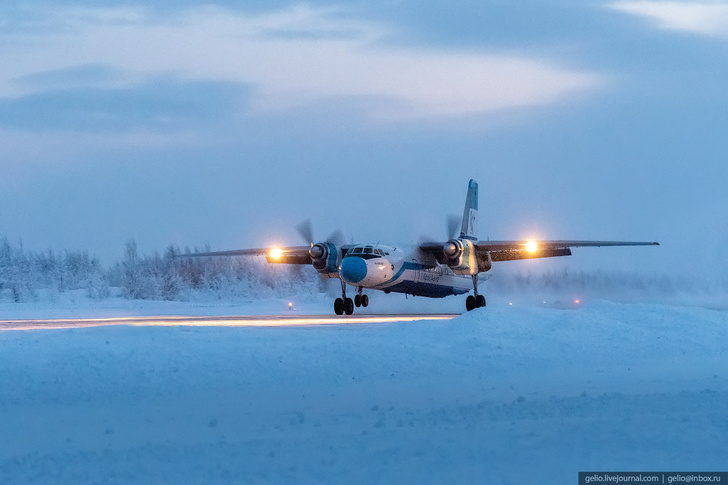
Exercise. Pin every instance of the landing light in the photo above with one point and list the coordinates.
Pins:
(276, 253)
(531, 246)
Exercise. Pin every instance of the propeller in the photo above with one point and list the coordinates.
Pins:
(337, 237)
(450, 249)
(453, 222)
(306, 231)
(324, 254)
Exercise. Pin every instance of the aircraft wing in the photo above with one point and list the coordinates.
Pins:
(529, 249)
(287, 255)
(514, 250)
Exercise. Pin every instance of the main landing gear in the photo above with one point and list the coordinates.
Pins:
(474, 301)
(343, 305)
(346, 305)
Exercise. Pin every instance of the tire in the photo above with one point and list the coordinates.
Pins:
(339, 306)
(357, 301)
(364, 301)
(470, 303)
(348, 306)
(480, 301)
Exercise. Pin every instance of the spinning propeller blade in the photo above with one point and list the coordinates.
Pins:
(453, 222)
(306, 231)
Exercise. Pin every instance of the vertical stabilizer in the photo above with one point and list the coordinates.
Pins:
(469, 229)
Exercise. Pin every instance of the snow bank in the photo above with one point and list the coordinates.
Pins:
(509, 394)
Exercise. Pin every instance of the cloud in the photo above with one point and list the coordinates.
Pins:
(703, 18)
(161, 104)
(292, 57)
(70, 77)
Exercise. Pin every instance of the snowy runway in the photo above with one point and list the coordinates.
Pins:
(504, 395)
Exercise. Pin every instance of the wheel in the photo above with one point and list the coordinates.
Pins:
(339, 306)
(364, 301)
(357, 301)
(470, 302)
(348, 306)
(479, 301)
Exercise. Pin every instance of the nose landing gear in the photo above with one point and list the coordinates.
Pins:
(361, 300)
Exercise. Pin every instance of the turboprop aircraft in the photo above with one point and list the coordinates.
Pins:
(431, 269)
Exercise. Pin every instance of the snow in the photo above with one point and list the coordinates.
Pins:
(521, 393)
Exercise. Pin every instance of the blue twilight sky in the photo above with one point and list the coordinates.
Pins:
(231, 122)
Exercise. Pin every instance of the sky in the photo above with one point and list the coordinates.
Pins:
(228, 123)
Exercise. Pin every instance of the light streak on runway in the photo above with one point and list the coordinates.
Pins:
(221, 321)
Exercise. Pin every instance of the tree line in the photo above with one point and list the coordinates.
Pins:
(24, 273)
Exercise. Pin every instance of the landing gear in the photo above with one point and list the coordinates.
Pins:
(348, 306)
(470, 303)
(474, 301)
(344, 305)
(339, 306)
(361, 300)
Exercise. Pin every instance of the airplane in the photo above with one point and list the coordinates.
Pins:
(430, 269)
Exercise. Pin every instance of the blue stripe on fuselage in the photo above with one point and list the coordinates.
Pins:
(405, 265)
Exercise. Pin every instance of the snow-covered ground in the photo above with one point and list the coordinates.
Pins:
(523, 393)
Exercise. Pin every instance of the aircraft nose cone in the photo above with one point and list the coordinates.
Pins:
(353, 269)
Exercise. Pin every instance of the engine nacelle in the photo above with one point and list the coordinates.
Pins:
(325, 257)
(461, 257)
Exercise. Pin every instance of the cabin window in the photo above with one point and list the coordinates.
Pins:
(368, 250)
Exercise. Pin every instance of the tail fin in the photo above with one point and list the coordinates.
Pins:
(469, 229)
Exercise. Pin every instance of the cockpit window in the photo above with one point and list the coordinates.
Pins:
(366, 252)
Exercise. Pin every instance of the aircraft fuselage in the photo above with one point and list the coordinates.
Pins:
(392, 269)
